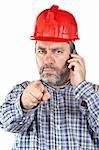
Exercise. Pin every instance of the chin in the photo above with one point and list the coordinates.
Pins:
(48, 77)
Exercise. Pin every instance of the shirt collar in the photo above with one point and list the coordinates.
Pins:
(62, 88)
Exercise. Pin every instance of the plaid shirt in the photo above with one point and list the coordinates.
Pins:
(69, 120)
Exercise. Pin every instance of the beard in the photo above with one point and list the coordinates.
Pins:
(56, 76)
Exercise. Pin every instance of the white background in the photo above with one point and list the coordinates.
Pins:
(17, 61)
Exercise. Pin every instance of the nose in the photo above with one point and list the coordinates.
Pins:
(48, 58)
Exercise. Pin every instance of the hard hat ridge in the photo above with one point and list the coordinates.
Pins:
(54, 8)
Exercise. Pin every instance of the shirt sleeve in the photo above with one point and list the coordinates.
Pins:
(88, 96)
(12, 117)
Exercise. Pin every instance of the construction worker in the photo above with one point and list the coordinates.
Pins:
(61, 110)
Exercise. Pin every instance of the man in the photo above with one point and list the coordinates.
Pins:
(61, 110)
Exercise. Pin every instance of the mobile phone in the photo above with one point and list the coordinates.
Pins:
(73, 51)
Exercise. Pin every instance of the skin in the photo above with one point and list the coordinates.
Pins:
(54, 67)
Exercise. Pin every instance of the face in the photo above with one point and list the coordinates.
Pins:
(51, 60)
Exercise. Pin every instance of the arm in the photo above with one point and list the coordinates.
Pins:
(12, 117)
(89, 93)
(85, 92)
(18, 111)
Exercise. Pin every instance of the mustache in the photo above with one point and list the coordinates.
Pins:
(53, 67)
(47, 66)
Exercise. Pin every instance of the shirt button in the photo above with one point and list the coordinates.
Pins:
(27, 117)
(57, 108)
(24, 118)
(20, 123)
(59, 147)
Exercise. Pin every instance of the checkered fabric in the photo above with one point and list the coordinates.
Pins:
(69, 120)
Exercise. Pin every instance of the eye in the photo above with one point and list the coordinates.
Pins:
(58, 52)
(41, 51)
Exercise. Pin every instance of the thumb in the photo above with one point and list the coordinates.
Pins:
(46, 95)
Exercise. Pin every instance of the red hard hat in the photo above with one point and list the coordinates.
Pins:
(56, 25)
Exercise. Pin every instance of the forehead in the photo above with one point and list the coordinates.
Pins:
(50, 45)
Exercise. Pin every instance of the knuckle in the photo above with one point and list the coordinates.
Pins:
(39, 96)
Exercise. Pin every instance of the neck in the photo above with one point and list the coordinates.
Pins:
(57, 86)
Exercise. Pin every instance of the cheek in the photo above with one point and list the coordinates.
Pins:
(60, 63)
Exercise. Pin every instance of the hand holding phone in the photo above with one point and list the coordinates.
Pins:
(76, 64)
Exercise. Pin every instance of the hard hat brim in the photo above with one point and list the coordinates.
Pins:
(52, 39)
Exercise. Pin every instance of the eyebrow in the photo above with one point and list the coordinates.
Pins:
(52, 49)
(39, 47)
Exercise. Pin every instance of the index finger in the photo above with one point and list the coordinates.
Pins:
(38, 84)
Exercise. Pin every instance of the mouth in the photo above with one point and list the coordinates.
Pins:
(48, 70)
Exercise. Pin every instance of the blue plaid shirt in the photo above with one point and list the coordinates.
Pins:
(69, 120)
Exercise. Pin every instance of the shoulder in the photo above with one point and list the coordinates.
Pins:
(19, 87)
(17, 90)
